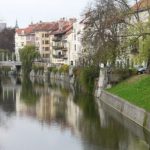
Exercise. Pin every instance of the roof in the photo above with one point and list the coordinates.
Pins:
(60, 27)
(141, 5)
(64, 26)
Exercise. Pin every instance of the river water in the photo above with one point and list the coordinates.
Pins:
(50, 115)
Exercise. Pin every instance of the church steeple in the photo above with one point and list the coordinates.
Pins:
(16, 26)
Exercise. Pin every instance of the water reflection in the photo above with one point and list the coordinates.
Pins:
(51, 115)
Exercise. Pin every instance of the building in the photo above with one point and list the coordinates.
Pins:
(140, 11)
(57, 42)
(66, 47)
(35, 34)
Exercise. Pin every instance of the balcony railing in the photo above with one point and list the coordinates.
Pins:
(60, 56)
(57, 39)
(64, 48)
(58, 47)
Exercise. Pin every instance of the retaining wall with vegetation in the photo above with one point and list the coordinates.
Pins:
(136, 114)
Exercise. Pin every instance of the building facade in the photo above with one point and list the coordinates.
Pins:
(57, 42)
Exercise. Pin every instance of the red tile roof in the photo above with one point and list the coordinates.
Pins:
(141, 5)
(60, 27)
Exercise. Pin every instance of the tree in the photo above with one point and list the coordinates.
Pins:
(7, 39)
(101, 39)
(27, 56)
(143, 44)
(139, 33)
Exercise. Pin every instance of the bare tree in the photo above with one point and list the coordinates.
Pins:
(101, 36)
(7, 39)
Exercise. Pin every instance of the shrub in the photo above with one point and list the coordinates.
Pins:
(35, 68)
(86, 77)
(38, 68)
(122, 73)
(64, 69)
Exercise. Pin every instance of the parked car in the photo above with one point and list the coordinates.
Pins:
(141, 69)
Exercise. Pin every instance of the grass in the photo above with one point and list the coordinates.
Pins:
(135, 90)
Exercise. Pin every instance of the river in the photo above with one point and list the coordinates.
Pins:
(50, 115)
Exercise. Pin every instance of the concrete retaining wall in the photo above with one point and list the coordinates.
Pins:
(136, 114)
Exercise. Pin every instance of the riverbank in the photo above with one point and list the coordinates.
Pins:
(135, 90)
(136, 114)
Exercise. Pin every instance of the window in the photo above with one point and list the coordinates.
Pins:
(47, 42)
(46, 55)
(75, 37)
(75, 47)
(72, 63)
(46, 35)
(22, 44)
(59, 53)
(46, 48)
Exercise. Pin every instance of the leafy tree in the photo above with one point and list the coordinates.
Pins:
(27, 56)
(139, 41)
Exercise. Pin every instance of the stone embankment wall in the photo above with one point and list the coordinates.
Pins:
(55, 76)
(132, 112)
(136, 114)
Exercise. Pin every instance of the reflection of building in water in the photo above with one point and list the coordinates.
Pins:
(55, 106)
(8, 96)
(52, 107)
(74, 114)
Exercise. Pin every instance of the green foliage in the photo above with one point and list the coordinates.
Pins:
(38, 68)
(27, 56)
(53, 69)
(140, 42)
(64, 69)
(5, 68)
(135, 90)
(35, 68)
(144, 51)
(86, 77)
(123, 73)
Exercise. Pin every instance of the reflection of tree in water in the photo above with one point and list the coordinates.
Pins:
(61, 86)
(98, 137)
(28, 94)
(60, 106)
(7, 100)
(60, 102)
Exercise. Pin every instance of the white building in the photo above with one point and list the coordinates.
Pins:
(57, 42)
(20, 42)
(66, 47)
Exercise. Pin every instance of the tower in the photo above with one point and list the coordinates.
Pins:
(16, 26)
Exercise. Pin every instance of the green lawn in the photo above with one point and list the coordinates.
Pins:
(135, 90)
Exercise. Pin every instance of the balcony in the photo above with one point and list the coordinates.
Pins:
(62, 56)
(64, 48)
(56, 39)
(58, 56)
(58, 47)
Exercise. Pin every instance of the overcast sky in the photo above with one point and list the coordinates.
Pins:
(26, 11)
